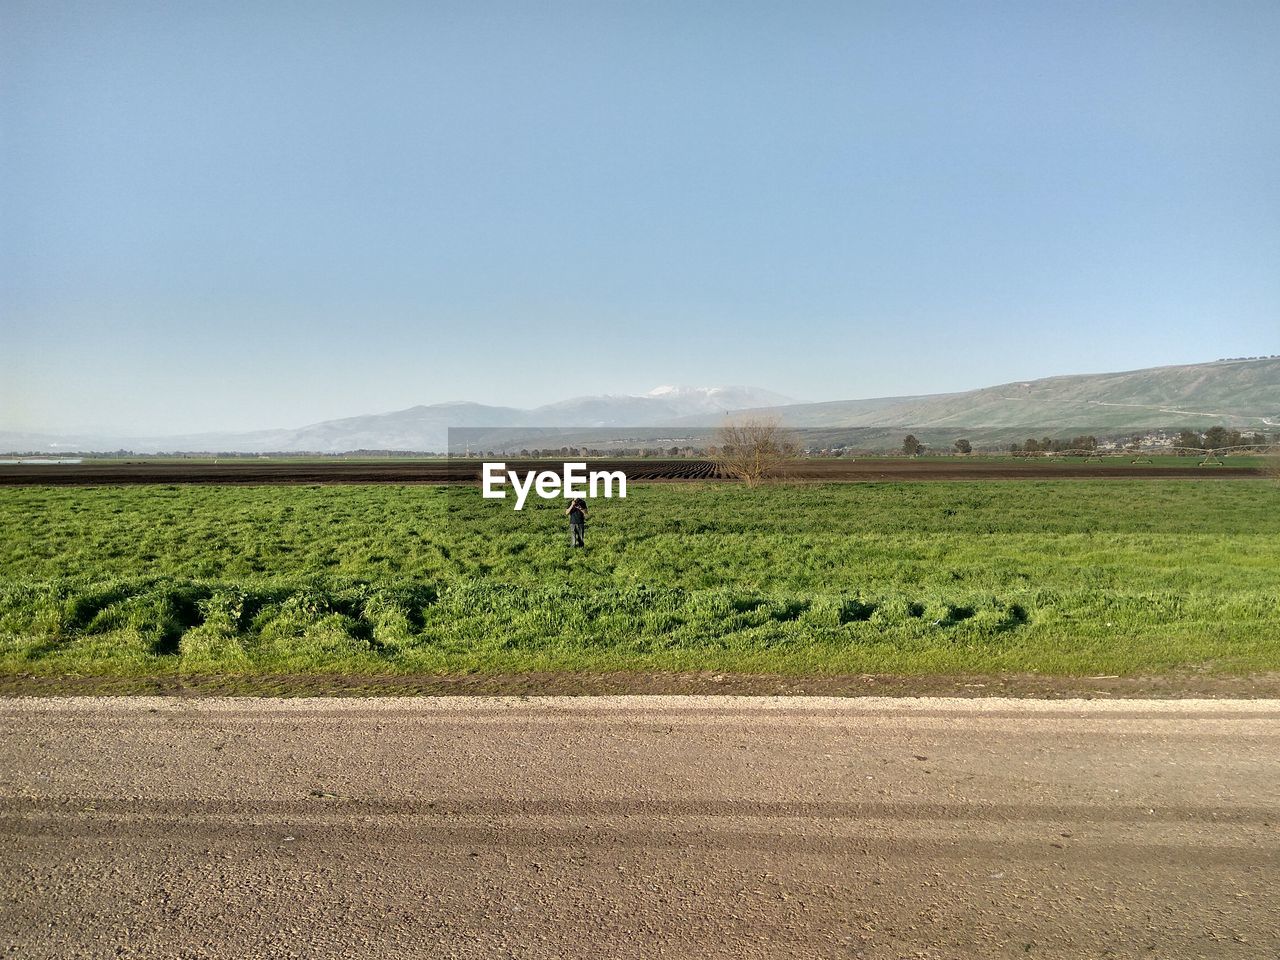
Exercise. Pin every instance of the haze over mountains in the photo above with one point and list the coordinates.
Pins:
(1242, 394)
(425, 428)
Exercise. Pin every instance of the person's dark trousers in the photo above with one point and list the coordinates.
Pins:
(577, 535)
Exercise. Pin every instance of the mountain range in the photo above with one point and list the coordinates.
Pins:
(1242, 394)
(425, 428)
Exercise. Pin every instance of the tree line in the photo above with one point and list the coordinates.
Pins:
(1217, 438)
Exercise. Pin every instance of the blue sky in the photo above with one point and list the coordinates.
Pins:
(235, 215)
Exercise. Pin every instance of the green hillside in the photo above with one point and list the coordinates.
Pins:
(1242, 394)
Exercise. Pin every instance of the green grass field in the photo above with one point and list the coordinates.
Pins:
(1064, 577)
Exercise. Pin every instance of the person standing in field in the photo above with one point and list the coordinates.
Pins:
(577, 522)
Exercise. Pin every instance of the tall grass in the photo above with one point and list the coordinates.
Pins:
(1059, 576)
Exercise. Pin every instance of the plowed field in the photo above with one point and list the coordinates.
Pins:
(468, 471)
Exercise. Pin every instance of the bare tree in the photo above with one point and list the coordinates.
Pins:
(753, 450)
(1271, 462)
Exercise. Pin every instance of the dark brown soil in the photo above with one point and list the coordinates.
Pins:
(468, 471)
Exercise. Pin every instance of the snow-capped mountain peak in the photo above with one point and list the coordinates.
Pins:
(703, 399)
(664, 390)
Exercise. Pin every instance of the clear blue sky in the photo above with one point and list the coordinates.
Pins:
(236, 215)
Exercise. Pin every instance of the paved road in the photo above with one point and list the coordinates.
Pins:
(639, 827)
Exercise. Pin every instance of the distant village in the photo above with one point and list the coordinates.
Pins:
(1217, 440)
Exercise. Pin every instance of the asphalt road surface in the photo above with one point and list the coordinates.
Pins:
(639, 827)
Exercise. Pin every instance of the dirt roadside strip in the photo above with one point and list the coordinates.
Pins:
(655, 826)
(1179, 685)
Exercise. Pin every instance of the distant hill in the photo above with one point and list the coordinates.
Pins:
(1241, 394)
(1244, 394)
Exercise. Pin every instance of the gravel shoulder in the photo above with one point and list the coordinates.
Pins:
(625, 826)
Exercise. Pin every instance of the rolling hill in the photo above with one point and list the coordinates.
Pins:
(1240, 394)
(1244, 394)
